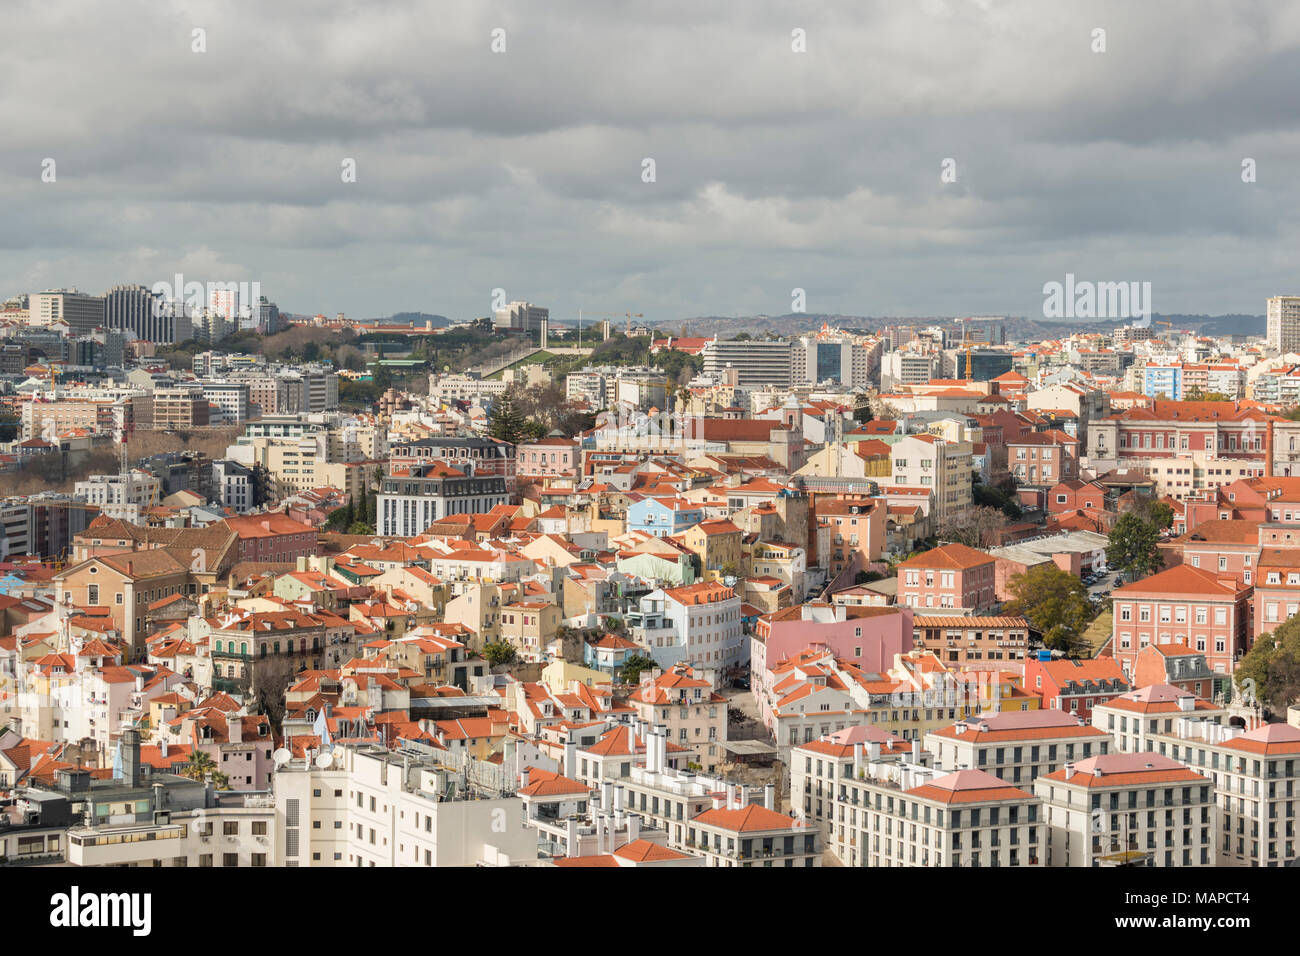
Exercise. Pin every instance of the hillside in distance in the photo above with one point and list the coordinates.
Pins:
(1018, 328)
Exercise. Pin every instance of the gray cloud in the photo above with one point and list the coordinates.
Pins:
(774, 169)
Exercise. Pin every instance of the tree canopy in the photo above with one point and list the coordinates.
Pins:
(499, 652)
(506, 420)
(1134, 546)
(1273, 664)
(633, 666)
(975, 527)
(1055, 604)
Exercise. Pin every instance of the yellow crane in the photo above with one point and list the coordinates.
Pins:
(966, 345)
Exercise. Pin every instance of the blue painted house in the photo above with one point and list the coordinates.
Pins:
(663, 516)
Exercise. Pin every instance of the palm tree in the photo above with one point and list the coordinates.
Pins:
(198, 766)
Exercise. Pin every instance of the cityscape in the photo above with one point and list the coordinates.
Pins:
(915, 596)
(512, 438)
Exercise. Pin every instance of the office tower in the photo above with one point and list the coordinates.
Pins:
(754, 362)
(82, 312)
(520, 317)
(133, 308)
(1283, 323)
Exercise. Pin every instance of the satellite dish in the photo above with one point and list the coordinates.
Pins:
(325, 760)
(281, 757)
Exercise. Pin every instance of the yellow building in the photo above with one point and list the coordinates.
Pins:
(718, 545)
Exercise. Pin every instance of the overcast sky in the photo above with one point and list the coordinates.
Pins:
(774, 169)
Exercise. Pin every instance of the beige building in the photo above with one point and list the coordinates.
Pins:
(695, 716)
(530, 626)
(941, 467)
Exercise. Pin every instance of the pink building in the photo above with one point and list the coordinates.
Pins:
(951, 576)
(1075, 495)
(1206, 611)
(868, 637)
(552, 456)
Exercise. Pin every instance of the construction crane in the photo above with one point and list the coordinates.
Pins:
(966, 344)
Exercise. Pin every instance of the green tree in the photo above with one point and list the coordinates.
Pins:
(1273, 665)
(630, 673)
(1161, 515)
(1055, 604)
(200, 765)
(506, 421)
(340, 519)
(1134, 546)
(499, 652)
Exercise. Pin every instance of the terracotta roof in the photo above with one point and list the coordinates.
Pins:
(746, 819)
(949, 557)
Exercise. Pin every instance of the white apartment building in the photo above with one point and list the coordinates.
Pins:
(1140, 809)
(906, 814)
(905, 367)
(232, 483)
(521, 317)
(1256, 779)
(144, 819)
(120, 496)
(1017, 746)
(728, 824)
(230, 397)
(1134, 718)
(370, 807)
(698, 624)
(817, 769)
(445, 389)
(1282, 323)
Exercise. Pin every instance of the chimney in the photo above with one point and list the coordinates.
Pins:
(571, 759)
(1069, 771)
(857, 760)
(523, 779)
(162, 747)
(873, 750)
(235, 729)
(571, 835)
(158, 790)
(916, 751)
(633, 827)
(769, 796)
(717, 802)
(132, 772)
